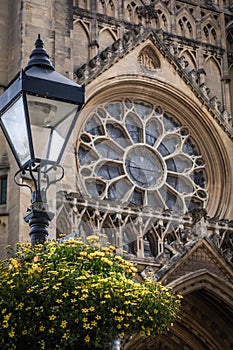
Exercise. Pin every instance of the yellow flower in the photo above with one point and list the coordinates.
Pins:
(84, 310)
(56, 286)
(92, 308)
(42, 328)
(7, 317)
(52, 317)
(92, 238)
(83, 253)
(34, 269)
(14, 263)
(87, 326)
(59, 301)
(24, 331)
(12, 333)
(51, 330)
(63, 324)
(87, 339)
(66, 294)
(65, 336)
(113, 310)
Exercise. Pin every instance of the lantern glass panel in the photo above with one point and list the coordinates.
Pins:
(14, 123)
(50, 122)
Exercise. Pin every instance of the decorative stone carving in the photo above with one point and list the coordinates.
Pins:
(169, 236)
(215, 103)
(181, 60)
(148, 59)
(227, 117)
(148, 273)
(148, 12)
(205, 90)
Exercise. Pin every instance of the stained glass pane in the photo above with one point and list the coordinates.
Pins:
(115, 110)
(108, 171)
(143, 110)
(109, 150)
(134, 128)
(153, 130)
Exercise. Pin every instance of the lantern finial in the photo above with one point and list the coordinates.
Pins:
(39, 56)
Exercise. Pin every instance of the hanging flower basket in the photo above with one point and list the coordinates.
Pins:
(73, 295)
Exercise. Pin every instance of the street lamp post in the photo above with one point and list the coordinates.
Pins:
(38, 112)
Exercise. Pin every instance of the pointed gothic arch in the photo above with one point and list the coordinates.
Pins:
(210, 30)
(81, 37)
(231, 86)
(203, 308)
(163, 17)
(213, 77)
(207, 303)
(229, 37)
(106, 38)
(185, 24)
(108, 7)
(148, 58)
(63, 222)
(131, 11)
(190, 58)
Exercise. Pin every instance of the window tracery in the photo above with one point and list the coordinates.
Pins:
(133, 152)
(131, 14)
(210, 34)
(162, 19)
(230, 40)
(185, 27)
(107, 7)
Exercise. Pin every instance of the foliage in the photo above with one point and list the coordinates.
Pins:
(74, 293)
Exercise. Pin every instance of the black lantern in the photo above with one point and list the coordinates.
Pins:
(38, 112)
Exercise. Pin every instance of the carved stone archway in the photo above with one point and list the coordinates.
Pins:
(206, 318)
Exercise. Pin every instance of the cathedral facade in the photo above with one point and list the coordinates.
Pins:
(150, 162)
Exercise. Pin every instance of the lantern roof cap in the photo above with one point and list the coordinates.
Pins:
(39, 56)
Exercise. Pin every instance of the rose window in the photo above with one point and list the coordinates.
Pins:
(135, 153)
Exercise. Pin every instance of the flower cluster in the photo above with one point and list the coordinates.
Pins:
(71, 293)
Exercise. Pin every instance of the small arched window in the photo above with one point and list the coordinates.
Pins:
(210, 34)
(185, 27)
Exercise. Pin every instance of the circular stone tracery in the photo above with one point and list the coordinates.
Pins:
(136, 153)
(144, 167)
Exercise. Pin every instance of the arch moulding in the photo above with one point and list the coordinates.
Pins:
(191, 113)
